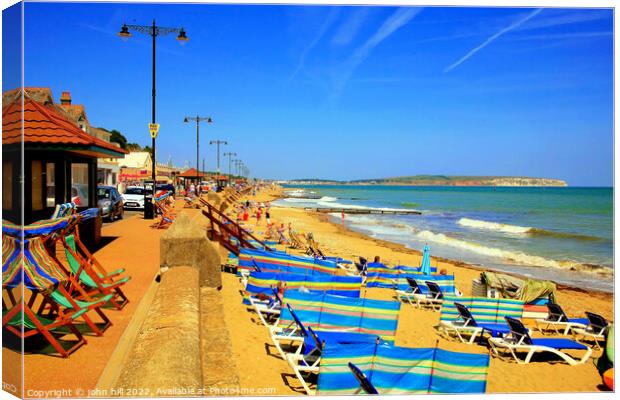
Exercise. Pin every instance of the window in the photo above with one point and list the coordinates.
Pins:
(50, 177)
(37, 185)
(79, 184)
(103, 193)
(7, 185)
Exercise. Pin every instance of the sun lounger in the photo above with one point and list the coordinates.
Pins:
(519, 340)
(595, 330)
(268, 310)
(394, 370)
(467, 325)
(432, 298)
(558, 320)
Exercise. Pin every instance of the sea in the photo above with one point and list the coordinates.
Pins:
(563, 234)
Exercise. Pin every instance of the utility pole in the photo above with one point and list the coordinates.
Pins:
(198, 119)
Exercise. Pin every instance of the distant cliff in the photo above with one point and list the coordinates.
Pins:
(442, 180)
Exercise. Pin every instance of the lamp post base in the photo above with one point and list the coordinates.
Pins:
(148, 209)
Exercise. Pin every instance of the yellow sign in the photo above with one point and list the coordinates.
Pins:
(153, 128)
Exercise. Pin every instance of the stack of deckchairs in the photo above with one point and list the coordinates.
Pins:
(390, 369)
(164, 209)
(58, 296)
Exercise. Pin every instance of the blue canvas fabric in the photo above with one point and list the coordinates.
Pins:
(262, 282)
(325, 312)
(401, 370)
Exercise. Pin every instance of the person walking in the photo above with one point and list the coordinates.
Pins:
(267, 216)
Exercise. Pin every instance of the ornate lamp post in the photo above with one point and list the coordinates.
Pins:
(154, 31)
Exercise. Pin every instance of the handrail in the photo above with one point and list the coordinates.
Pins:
(231, 228)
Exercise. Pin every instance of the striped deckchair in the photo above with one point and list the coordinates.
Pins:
(21, 266)
(484, 310)
(401, 370)
(326, 312)
(262, 282)
(275, 261)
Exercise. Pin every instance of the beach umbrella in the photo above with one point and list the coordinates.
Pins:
(425, 268)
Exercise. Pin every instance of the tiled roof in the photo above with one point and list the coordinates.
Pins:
(45, 125)
(75, 111)
(191, 173)
(40, 94)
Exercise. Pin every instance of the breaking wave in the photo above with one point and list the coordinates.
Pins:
(523, 230)
(512, 256)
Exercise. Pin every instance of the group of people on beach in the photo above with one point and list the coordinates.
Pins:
(243, 212)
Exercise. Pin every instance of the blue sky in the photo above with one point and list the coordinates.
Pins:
(346, 92)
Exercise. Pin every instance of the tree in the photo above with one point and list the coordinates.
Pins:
(147, 148)
(134, 147)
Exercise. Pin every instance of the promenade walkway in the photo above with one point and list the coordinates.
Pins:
(132, 244)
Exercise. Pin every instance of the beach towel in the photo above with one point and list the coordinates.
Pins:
(262, 282)
(484, 310)
(325, 312)
(279, 262)
(401, 370)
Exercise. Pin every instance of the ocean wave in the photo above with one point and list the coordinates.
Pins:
(328, 198)
(512, 256)
(524, 230)
(493, 226)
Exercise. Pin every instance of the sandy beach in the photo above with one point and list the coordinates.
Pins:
(252, 346)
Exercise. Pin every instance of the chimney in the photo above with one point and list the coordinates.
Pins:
(65, 99)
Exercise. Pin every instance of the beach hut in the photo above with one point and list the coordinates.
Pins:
(59, 158)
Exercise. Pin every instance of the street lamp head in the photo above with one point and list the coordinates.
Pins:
(182, 38)
(209, 120)
(185, 119)
(124, 33)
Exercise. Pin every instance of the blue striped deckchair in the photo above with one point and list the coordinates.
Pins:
(262, 282)
(326, 312)
(274, 261)
(401, 370)
(485, 311)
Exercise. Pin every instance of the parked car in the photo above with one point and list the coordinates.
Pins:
(134, 197)
(110, 201)
(79, 194)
